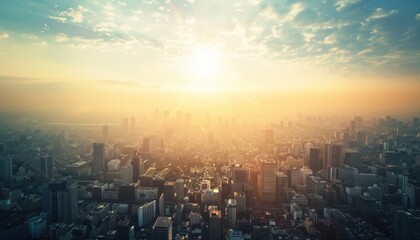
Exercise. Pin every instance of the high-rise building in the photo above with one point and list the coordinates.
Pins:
(333, 155)
(240, 202)
(267, 180)
(315, 159)
(333, 158)
(127, 173)
(5, 168)
(105, 133)
(179, 188)
(47, 167)
(162, 229)
(136, 163)
(231, 213)
(60, 200)
(98, 162)
(282, 187)
(353, 158)
(169, 191)
(146, 213)
(215, 224)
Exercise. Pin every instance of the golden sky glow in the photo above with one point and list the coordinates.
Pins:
(274, 57)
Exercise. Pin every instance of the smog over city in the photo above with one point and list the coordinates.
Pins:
(210, 119)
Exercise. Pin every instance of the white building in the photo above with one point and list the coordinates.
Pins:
(146, 213)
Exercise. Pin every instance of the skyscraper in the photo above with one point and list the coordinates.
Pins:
(333, 155)
(231, 213)
(169, 191)
(60, 200)
(215, 224)
(136, 162)
(146, 213)
(98, 162)
(282, 187)
(127, 173)
(315, 161)
(47, 167)
(267, 180)
(162, 229)
(179, 188)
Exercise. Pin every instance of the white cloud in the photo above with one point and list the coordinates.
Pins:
(381, 13)
(61, 37)
(75, 15)
(342, 4)
(330, 39)
(4, 36)
(418, 16)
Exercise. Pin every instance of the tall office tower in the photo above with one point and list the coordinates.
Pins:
(105, 133)
(162, 229)
(137, 167)
(5, 168)
(231, 213)
(215, 224)
(353, 158)
(60, 199)
(352, 129)
(240, 174)
(416, 122)
(240, 202)
(333, 159)
(147, 144)
(127, 173)
(132, 124)
(169, 191)
(359, 122)
(267, 180)
(179, 187)
(315, 160)
(125, 124)
(282, 187)
(47, 167)
(269, 136)
(346, 139)
(240, 177)
(98, 162)
(146, 213)
(333, 155)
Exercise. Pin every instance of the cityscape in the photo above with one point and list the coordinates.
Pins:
(212, 120)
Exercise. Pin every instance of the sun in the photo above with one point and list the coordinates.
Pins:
(205, 65)
(206, 62)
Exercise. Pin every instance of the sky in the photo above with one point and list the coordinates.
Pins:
(85, 56)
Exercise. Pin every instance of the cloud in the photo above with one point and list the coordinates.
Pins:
(4, 35)
(75, 15)
(61, 37)
(381, 13)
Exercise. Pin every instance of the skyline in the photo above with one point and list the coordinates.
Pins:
(88, 57)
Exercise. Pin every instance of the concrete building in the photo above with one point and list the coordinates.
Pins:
(146, 213)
